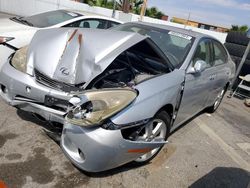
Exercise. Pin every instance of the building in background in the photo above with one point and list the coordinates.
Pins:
(199, 25)
(165, 17)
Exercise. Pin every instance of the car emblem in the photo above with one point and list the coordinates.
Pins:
(64, 71)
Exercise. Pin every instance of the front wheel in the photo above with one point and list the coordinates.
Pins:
(158, 129)
(217, 102)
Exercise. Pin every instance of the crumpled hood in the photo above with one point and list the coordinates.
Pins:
(76, 56)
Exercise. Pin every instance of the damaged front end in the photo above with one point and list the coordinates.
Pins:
(82, 78)
(60, 63)
(90, 140)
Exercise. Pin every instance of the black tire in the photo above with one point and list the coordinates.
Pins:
(236, 50)
(165, 117)
(246, 66)
(214, 107)
(237, 38)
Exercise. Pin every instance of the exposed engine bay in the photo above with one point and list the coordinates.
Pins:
(139, 63)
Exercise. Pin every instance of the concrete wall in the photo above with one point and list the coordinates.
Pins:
(29, 7)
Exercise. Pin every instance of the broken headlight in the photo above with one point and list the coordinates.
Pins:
(96, 106)
(19, 60)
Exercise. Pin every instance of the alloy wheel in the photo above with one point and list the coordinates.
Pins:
(155, 131)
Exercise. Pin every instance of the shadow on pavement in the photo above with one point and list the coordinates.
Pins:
(52, 130)
(224, 177)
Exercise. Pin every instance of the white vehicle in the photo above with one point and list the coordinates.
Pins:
(18, 31)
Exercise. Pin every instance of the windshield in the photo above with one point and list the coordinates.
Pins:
(175, 45)
(48, 18)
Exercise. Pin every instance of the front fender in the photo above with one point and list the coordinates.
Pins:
(153, 95)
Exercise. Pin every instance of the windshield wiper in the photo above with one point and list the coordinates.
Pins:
(26, 22)
(20, 20)
(14, 19)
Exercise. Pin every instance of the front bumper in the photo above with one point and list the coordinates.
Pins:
(22, 91)
(97, 149)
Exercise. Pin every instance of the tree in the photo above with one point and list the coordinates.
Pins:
(242, 28)
(99, 3)
(136, 6)
(154, 13)
(133, 6)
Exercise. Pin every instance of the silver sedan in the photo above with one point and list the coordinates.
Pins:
(118, 93)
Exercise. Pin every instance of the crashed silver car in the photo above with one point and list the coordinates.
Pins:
(118, 93)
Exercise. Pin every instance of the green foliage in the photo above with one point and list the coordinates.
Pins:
(242, 28)
(99, 3)
(135, 6)
(154, 13)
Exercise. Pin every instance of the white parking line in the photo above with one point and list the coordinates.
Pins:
(245, 147)
(224, 146)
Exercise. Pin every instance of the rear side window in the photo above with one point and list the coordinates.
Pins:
(220, 54)
(89, 23)
(113, 24)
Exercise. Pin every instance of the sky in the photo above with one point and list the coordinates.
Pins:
(215, 12)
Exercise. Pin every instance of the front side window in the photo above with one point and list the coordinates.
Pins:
(175, 45)
(203, 53)
(220, 54)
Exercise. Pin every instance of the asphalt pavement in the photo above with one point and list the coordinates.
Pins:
(209, 151)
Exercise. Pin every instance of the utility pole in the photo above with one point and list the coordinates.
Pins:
(143, 9)
(114, 7)
(187, 20)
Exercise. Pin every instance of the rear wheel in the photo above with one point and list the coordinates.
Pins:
(217, 102)
(157, 130)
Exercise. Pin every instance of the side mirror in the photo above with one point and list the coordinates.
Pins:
(198, 67)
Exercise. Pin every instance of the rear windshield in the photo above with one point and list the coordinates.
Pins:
(175, 45)
(50, 18)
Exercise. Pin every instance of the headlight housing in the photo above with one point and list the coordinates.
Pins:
(19, 60)
(96, 106)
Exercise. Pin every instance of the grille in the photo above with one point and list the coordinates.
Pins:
(45, 80)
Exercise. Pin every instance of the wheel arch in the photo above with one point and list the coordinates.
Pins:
(169, 108)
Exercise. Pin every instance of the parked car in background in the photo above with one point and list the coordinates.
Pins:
(118, 93)
(18, 31)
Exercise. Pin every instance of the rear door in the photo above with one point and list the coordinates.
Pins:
(197, 86)
(221, 70)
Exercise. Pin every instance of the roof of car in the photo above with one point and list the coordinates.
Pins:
(172, 28)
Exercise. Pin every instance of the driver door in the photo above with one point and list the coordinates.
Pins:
(197, 85)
